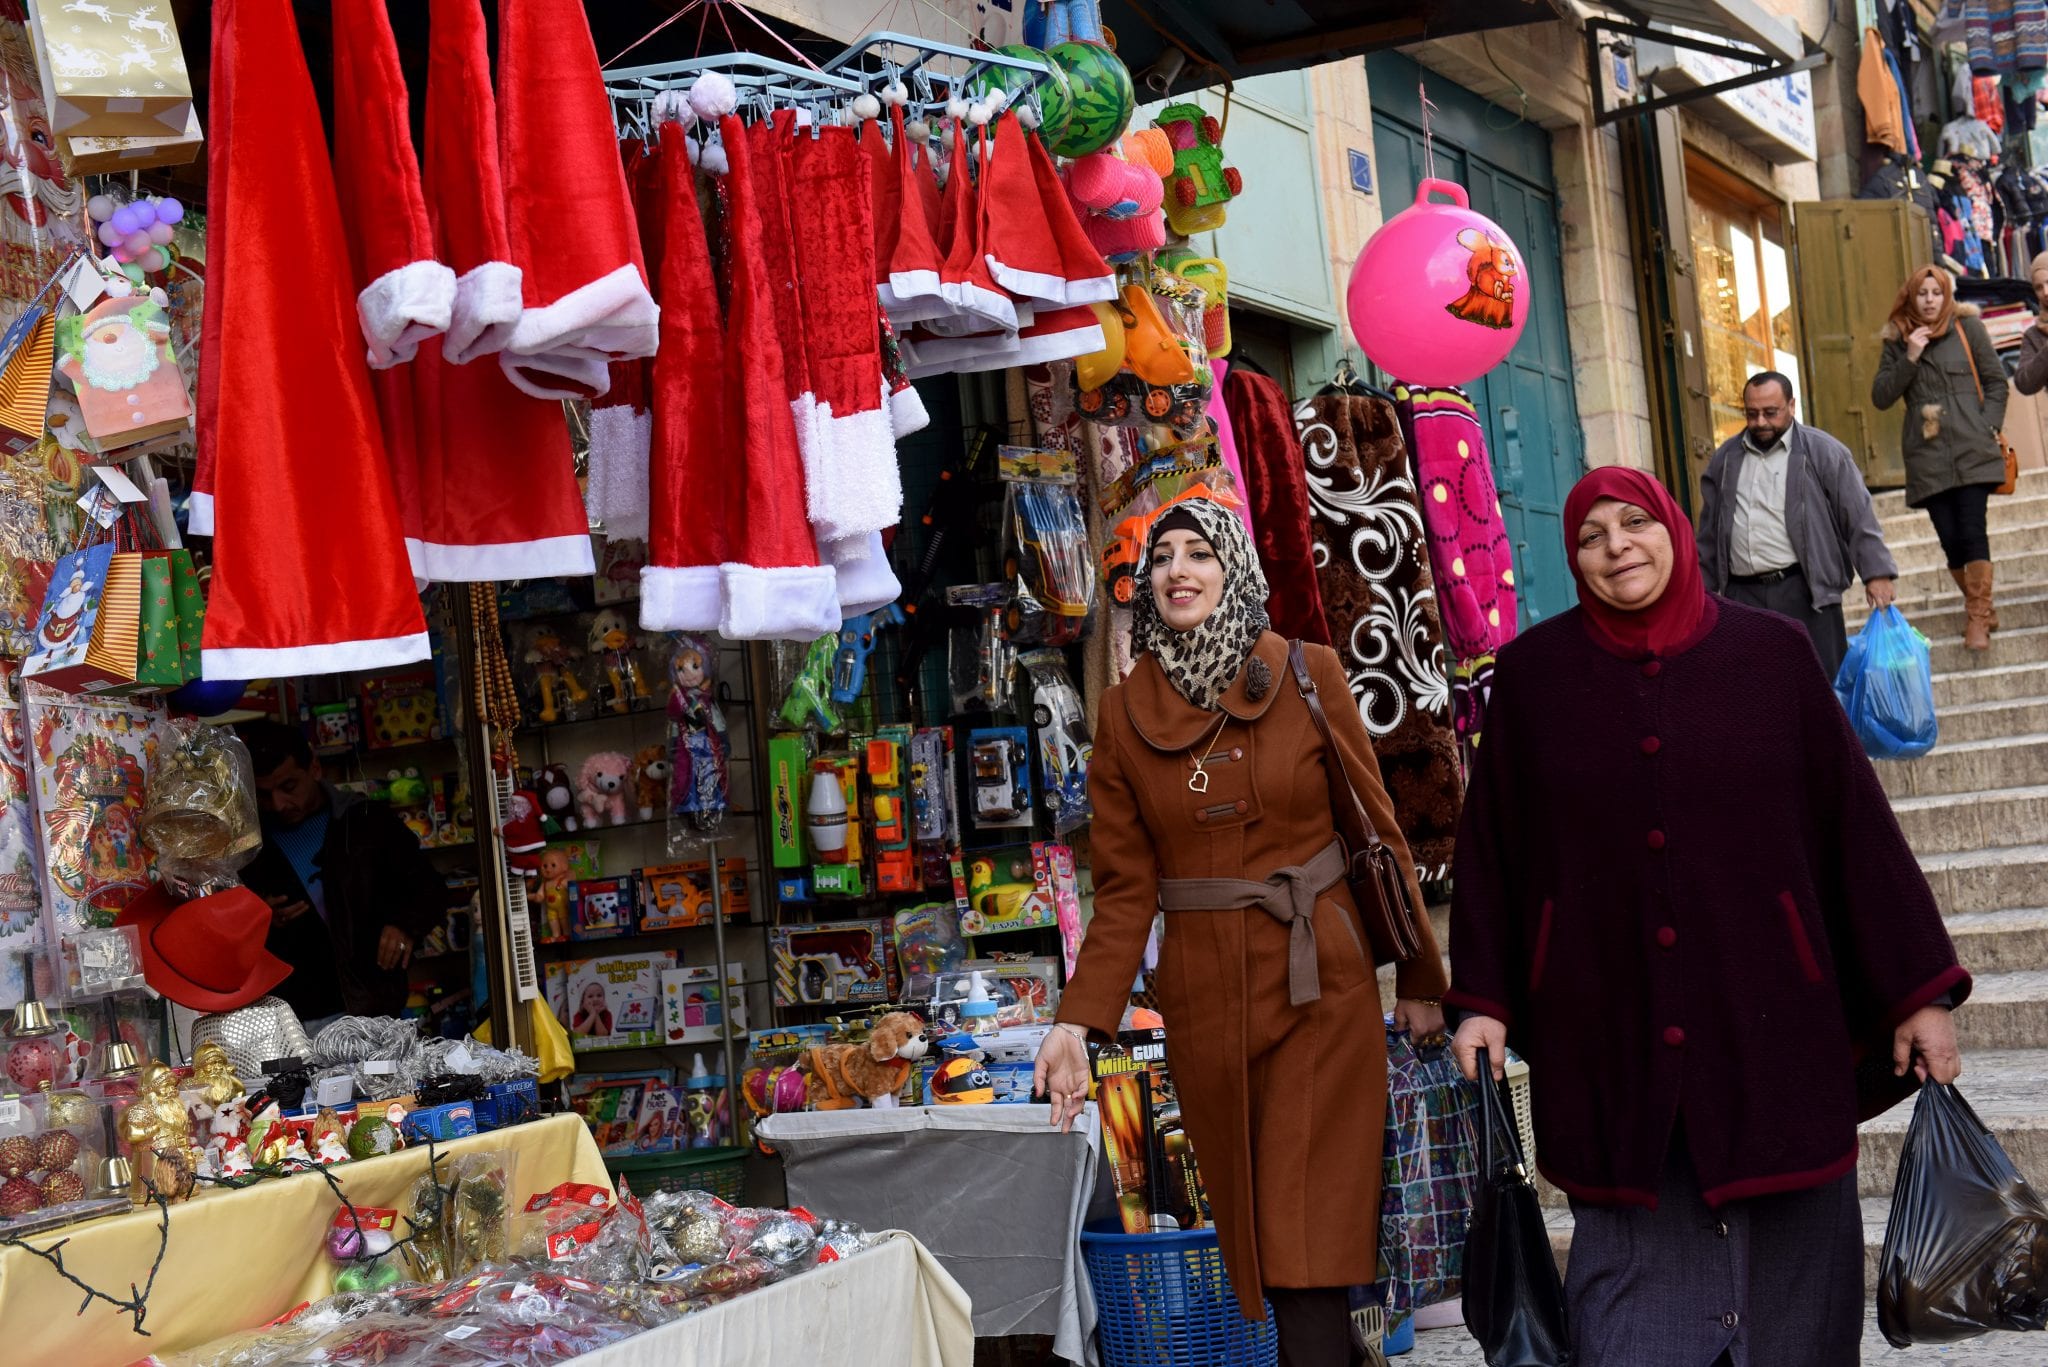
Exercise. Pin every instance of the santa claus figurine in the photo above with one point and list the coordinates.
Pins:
(524, 839)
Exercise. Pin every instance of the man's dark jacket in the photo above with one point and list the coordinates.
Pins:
(375, 875)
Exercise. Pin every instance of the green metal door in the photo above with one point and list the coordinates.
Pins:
(1526, 402)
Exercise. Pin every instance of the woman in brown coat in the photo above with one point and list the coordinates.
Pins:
(1208, 767)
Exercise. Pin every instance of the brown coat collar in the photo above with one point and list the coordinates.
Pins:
(1168, 722)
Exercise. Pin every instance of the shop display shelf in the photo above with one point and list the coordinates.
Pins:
(722, 1172)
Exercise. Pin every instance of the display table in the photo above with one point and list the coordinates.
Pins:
(890, 1304)
(237, 1259)
(994, 1192)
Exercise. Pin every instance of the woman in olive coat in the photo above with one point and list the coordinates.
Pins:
(1940, 360)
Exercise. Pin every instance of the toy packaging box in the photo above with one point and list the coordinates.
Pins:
(1019, 889)
(678, 896)
(693, 1003)
(833, 962)
(401, 709)
(89, 758)
(1026, 991)
(603, 907)
(1174, 1183)
(612, 1108)
(563, 863)
(610, 1003)
(928, 943)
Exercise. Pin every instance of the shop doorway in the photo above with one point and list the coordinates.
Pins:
(1527, 403)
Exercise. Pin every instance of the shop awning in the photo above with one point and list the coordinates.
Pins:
(1743, 20)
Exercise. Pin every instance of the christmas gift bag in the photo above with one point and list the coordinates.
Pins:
(105, 156)
(190, 603)
(159, 662)
(117, 357)
(25, 378)
(112, 68)
(19, 896)
(89, 758)
(71, 609)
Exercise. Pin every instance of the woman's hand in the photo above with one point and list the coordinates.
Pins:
(1926, 1040)
(1061, 1072)
(1422, 1020)
(1481, 1032)
(1917, 340)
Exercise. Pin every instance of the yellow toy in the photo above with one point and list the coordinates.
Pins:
(551, 657)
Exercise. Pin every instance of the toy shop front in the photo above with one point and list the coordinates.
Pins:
(571, 844)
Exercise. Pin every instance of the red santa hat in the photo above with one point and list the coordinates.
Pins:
(1034, 242)
(309, 566)
(622, 423)
(1080, 263)
(886, 189)
(979, 303)
(497, 476)
(462, 130)
(403, 295)
(911, 290)
(571, 220)
(771, 148)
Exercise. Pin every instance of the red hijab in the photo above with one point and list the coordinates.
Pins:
(1683, 613)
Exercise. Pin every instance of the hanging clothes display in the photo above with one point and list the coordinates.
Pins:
(1884, 120)
(1372, 566)
(310, 570)
(1263, 423)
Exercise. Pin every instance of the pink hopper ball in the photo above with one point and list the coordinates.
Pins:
(1438, 296)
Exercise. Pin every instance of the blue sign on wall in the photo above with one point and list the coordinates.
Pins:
(1361, 170)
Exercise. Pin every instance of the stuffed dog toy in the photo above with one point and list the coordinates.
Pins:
(840, 1073)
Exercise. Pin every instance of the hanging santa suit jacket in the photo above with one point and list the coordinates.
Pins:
(1287, 1122)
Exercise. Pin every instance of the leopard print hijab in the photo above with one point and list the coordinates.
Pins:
(1203, 662)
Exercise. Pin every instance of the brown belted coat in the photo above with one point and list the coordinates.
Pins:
(1284, 1105)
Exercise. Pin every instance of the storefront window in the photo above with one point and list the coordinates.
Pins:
(1745, 281)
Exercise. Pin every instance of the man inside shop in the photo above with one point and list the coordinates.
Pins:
(1786, 523)
(350, 892)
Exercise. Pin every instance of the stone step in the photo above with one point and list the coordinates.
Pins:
(1941, 616)
(1922, 551)
(2027, 568)
(1992, 720)
(2008, 1089)
(2014, 940)
(2033, 484)
(1969, 767)
(2010, 645)
(1953, 822)
(2005, 1011)
(1979, 880)
(1987, 683)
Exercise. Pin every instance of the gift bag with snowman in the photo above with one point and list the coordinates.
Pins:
(117, 359)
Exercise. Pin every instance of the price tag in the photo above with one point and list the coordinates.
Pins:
(10, 1111)
(85, 285)
(466, 1331)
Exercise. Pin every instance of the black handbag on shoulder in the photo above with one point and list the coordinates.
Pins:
(1514, 1303)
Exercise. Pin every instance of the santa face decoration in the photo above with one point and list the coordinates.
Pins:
(117, 354)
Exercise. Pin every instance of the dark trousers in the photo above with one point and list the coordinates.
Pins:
(1793, 597)
(1313, 1326)
(1958, 516)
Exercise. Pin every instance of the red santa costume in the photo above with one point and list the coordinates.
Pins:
(571, 220)
(309, 571)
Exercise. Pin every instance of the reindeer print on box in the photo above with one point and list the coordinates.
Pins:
(117, 69)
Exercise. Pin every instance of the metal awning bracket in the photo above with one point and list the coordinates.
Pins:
(1766, 68)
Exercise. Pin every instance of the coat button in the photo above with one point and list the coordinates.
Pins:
(1237, 752)
(1655, 840)
(1721, 1228)
(1652, 668)
(1202, 818)
(1730, 1320)
(1243, 806)
(1674, 1036)
(1666, 936)
(1651, 745)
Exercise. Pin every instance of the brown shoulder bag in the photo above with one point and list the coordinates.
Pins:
(1370, 869)
(2005, 448)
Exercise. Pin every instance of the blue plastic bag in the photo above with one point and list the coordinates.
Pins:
(1886, 685)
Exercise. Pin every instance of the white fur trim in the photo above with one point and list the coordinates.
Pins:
(796, 603)
(1029, 284)
(976, 325)
(863, 487)
(907, 413)
(582, 374)
(402, 308)
(952, 355)
(866, 581)
(616, 495)
(333, 657)
(1092, 289)
(994, 306)
(1061, 345)
(416, 558)
(613, 314)
(199, 514)
(679, 597)
(487, 308)
(811, 446)
(539, 559)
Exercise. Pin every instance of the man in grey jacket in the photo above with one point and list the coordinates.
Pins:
(1786, 522)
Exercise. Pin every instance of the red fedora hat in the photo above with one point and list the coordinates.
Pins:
(207, 953)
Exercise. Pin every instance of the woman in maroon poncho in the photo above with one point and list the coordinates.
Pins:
(1682, 896)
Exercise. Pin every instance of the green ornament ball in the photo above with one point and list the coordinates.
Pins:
(371, 1136)
(1103, 98)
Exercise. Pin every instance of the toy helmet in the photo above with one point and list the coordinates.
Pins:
(962, 1082)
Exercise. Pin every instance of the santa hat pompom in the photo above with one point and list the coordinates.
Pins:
(713, 95)
(977, 113)
(713, 160)
(867, 107)
(694, 150)
(917, 130)
(674, 105)
(1027, 115)
(956, 108)
(896, 93)
(997, 99)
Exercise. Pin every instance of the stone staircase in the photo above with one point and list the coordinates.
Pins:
(1976, 813)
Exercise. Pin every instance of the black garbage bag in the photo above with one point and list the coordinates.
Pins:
(1514, 1304)
(1966, 1248)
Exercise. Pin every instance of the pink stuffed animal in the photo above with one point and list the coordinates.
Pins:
(601, 788)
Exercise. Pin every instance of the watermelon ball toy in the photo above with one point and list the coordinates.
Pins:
(33, 1062)
(1103, 98)
(1055, 93)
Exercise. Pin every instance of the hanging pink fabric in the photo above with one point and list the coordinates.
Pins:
(1468, 542)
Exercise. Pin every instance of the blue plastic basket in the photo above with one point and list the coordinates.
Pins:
(1163, 1300)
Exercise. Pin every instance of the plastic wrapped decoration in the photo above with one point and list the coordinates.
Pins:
(1065, 748)
(700, 753)
(1164, 378)
(1048, 559)
(199, 814)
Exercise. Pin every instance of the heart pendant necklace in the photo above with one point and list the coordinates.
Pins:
(1198, 781)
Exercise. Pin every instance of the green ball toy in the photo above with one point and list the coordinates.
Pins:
(1055, 93)
(1103, 98)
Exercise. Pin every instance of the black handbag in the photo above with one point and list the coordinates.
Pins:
(1514, 1304)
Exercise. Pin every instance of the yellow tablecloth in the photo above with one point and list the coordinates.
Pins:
(237, 1259)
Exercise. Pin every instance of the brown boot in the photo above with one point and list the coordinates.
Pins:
(1977, 597)
(1957, 575)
